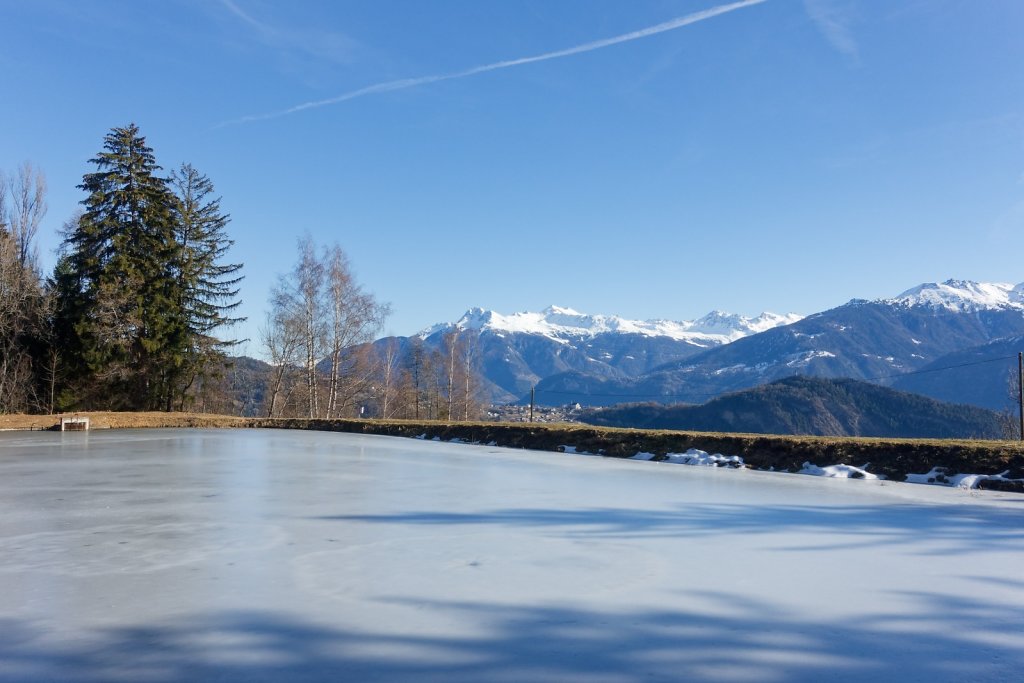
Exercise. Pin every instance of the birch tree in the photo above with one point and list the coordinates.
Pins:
(470, 377)
(460, 376)
(24, 211)
(282, 340)
(355, 317)
(22, 298)
(297, 308)
(321, 309)
(390, 379)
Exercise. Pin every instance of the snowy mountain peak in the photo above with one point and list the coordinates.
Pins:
(736, 326)
(962, 295)
(1017, 294)
(554, 310)
(475, 319)
(561, 324)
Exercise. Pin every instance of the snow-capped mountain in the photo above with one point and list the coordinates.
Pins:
(518, 350)
(875, 340)
(564, 325)
(962, 296)
(604, 359)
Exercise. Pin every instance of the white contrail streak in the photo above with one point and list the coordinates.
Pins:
(401, 84)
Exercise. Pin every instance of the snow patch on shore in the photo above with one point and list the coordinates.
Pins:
(940, 476)
(837, 471)
(694, 457)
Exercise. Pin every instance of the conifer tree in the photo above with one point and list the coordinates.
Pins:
(206, 286)
(120, 256)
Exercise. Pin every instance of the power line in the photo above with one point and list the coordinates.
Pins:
(948, 367)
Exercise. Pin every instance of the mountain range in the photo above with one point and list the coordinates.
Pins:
(909, 341)
(518, 351)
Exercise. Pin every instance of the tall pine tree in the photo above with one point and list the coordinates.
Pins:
(119, 261)
(207, 287)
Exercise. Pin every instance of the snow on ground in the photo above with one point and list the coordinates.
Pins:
(837, 471)
(695, 457)
(265, 555)
(938, 475)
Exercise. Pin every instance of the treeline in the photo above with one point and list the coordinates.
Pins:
(318, 336)
(128, 318)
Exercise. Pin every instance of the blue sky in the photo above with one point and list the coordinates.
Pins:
(788, 155)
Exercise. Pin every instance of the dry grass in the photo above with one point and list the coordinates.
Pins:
(109, 420)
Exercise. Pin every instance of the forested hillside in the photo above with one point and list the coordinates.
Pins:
(806, 405)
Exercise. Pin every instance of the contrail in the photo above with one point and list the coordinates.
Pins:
(401, 84)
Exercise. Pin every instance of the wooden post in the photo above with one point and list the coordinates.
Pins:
(532, 390)
(1020, 391)
(74, 424)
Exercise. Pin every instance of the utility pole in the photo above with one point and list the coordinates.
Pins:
(534, 389)
(1020, 391)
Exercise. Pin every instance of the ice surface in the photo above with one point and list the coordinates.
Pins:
(300, 556)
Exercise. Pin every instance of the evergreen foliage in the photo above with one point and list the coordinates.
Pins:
(140, 284)
(207, 288)
(811, 405)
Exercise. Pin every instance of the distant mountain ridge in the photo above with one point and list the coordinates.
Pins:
(962, 296)
(870, 340)
(517, 351)
(808, 405)
(955, 341)
(561, 324)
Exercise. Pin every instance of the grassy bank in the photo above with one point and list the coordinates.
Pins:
(894, 458)
(109, 420)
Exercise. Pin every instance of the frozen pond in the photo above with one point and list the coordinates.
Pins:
(177, 555)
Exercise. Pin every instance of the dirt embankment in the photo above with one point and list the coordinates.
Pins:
(108, 420)
(893, 458)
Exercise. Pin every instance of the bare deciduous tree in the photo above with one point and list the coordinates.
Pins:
(471, 404)
(355, 317)
(319, 312)
(22, 299)
(461, 378)
(24, 211)
(297, 308)
(390, 379)
(451, 344)
(281, 338)
(16, 297)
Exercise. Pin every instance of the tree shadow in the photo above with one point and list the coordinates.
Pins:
(941, 638)
(919, 528)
